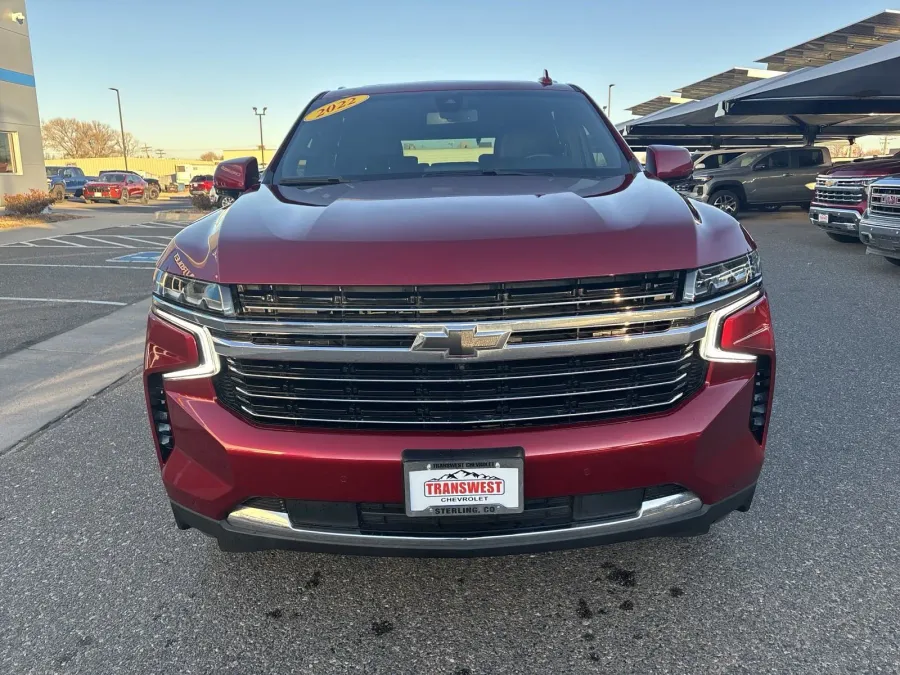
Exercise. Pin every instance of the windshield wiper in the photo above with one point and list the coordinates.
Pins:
(300, 181)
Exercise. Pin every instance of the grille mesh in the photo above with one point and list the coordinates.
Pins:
(885, 201)
(460, 395)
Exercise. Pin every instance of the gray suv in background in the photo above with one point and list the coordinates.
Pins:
(767, 179)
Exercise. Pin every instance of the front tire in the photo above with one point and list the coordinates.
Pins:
(728, 201)
(893, 261)
(58, 193)
(145, 197)
(123, 200)
(225, 201)
(843, 238)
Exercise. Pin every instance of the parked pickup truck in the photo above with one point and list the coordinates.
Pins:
(384, 350)
(66, 181)
(767, 179)
(841, 196)
(879, 228)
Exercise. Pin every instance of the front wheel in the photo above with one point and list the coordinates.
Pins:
(225, 201)
(726, 200)
(145, 197)
(58, 193)
(123, 199)
(843, 238)
(893, 261)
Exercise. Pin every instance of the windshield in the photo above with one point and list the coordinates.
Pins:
(414, 134)
(112, 178)
(53, 170)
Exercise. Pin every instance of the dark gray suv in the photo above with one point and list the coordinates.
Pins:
(767, 179)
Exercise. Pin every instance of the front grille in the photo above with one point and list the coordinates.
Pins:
(475, 395)
(469, 303)
(839, 195)
(885, 201)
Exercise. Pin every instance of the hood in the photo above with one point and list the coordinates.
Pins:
(101, 184)
(872, 167)
(721, 172)
(453, 235)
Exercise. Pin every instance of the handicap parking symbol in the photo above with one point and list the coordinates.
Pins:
(145, 257)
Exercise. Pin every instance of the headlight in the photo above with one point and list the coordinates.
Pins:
(703, 179)
(203, 295)
(720, 278)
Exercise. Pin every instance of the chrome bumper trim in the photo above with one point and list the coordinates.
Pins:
(261, 522)
(670, 338)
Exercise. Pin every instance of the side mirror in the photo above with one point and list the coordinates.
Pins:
(239, 174)
(668, 163)
(760, 167)
(701, 165)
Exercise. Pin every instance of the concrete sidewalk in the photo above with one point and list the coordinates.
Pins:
(42, 383)
(76, 226)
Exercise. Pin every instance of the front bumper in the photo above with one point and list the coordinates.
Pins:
(253, 529)
(880, 238)
(839, 220)
(220, 461)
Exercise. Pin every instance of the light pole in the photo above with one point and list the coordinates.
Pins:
(609, 99)
(262, 147)
(121, 126)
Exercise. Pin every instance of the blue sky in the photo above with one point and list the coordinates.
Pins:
(190, 77)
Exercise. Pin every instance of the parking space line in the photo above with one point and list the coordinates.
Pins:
(90, 267)
(63, 241)
(143, 241)
(102, 241)
(67, 300)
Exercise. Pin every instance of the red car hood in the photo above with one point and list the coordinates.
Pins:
(400, 236)
(874, 167)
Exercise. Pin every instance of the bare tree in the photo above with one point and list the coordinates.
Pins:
(211, 156)
(75, 138)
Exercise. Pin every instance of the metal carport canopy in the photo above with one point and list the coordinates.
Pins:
(706, 118)
(857, 85)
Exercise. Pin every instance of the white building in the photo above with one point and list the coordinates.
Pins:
(21, 152)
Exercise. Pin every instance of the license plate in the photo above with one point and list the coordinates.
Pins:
(98, 194)
(823, 217)
(452, 483)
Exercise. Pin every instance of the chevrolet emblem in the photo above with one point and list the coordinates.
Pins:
(460, 342)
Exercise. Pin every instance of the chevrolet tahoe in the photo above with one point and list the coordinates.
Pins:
(458, 319)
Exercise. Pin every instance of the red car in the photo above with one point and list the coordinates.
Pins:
(117, 187)
(201, 185)
(458, 319)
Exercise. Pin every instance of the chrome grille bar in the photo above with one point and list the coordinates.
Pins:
(497, 420)
(476, 399)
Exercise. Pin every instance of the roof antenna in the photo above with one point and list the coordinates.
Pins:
(545, 80)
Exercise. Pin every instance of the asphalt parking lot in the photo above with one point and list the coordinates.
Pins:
(96, 578)
(83, 275)
(79, 206)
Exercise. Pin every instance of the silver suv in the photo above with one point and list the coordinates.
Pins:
(766, 179)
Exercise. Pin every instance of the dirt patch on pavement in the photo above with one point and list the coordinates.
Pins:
(9, 222)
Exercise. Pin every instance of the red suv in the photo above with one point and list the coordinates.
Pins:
(119, 187)
(201, 185)
(458, 319)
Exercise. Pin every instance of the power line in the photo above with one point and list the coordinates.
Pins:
(146, 149)
(160, 153)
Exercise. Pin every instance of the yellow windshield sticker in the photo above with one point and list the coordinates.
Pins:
(335, 107)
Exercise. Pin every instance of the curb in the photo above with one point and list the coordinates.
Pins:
(175, 217)
(41, 383)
